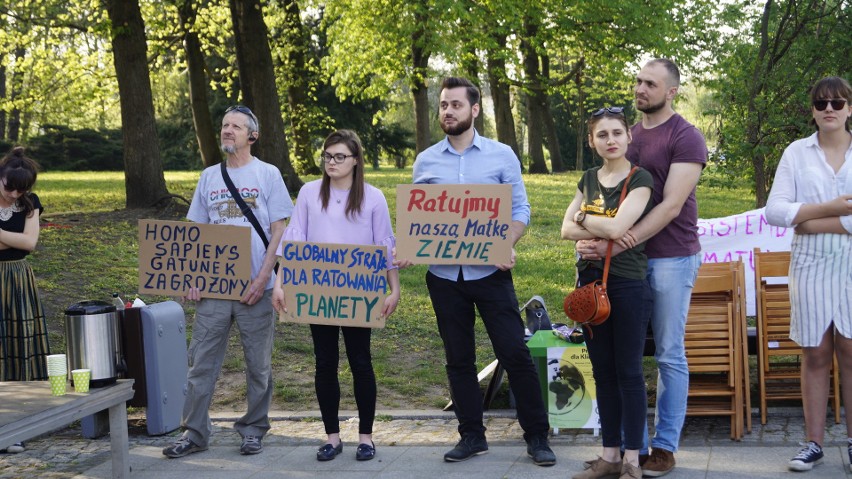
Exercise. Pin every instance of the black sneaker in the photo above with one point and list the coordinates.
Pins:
(809, 455)
(849, 452)
(469, 446)
(183, 447)
(251, 445)
(540, 452)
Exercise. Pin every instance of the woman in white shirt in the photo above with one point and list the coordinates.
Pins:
(813, 192)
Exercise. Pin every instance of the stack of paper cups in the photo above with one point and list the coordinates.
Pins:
(57, 372)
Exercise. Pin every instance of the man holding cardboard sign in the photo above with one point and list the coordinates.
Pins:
(465, 157)
(260, 198)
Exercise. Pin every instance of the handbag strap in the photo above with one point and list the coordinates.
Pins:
(247, 212)
(609, 245)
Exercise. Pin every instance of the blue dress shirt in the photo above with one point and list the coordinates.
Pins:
(485, 161)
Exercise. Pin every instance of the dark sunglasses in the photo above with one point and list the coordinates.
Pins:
(615, 110)
(836, 104)
(11, 189)
(239, 109)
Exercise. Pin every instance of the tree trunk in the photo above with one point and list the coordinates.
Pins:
(419, 91)
(503, 119)
(144, 181)
(535, 118)
(2, 98)
(470, 65)
(17, 88)
(581, 119)
(547, 119)
(3, 24)
(257, 84)
(205, 132)
(298, 85)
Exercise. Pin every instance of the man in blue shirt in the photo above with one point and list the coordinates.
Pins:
(464, 157)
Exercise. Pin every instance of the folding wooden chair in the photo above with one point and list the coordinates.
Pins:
(779, 358)
(713, 351)
(741, 324)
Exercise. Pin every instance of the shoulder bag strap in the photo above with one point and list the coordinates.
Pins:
(609, 246)
(247, 212)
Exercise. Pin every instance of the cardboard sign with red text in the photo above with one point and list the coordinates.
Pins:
(334, 284)
(454, 224)
(175, 256)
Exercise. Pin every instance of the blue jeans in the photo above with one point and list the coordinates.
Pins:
(671, 282)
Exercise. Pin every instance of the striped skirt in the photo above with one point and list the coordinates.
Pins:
(820, 286)
(23, 327)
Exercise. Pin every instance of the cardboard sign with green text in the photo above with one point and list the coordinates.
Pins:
(334, 284)
(454, 224)
(175, 256)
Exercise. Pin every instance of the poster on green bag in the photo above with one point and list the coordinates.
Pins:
(571, 399)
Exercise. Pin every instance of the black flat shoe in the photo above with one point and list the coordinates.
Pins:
(365, 452)
(328, 452)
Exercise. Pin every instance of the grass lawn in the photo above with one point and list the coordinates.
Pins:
(88, 250)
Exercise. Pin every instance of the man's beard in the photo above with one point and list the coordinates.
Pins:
(460, 127)
(229, 149)
(651, 108)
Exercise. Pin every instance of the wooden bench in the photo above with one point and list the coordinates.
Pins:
(27, 410)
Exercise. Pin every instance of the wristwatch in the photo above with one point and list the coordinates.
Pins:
(579, 217)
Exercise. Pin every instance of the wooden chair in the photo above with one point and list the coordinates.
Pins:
(714, 351)
(779, 358)
(737, 268)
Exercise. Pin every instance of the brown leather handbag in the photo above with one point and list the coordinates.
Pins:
(589, 305)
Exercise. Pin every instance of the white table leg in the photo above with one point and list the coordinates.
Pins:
(118, 441)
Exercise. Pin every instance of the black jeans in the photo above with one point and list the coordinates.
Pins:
(615, 349)
(494, 297)
(327, 354)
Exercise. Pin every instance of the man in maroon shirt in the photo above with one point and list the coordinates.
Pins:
(674, 152)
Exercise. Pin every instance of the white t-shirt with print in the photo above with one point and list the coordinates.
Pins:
(261, 187)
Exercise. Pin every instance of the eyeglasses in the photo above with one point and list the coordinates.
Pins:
(836, 104)
(615, 110)
(337, 158)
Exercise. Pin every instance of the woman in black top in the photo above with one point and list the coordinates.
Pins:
(615, 347)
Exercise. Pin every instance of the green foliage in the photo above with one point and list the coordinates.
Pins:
(763, 78)
(61, 148)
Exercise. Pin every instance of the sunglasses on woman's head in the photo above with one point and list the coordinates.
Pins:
(615, 110)
(836, 104)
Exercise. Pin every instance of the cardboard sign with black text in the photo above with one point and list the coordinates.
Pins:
(175, 256)
(334, 284)
(454, 224)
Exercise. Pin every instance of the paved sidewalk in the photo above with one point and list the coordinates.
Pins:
(411, 444)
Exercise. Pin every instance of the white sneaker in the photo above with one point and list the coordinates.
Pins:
(15, 448)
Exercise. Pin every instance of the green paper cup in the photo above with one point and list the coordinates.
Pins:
(57, 385)
(81, 378)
